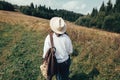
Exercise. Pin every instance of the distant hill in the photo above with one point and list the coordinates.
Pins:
(95, 57)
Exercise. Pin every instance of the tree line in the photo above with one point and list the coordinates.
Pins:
(48, 13)
(106, 18)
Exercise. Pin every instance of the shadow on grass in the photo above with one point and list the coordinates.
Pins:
(75, 52)
(80, 76)
(83, 76)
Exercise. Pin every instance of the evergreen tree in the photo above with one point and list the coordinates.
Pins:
(109, 8)
(25, 10)
(32, 6)
(117, 6)
(99, 19)
(102, 8)
(32, 10)
(94, 12)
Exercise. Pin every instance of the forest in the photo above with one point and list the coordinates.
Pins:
(106, 18)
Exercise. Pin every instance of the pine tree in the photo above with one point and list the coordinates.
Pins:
(102, 8)
(32, 6)
(94, 12)
(109, 8)
(117, 6)
(32, 9)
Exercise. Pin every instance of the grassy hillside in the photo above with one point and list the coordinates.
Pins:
(96, 53)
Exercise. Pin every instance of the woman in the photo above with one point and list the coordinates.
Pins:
(63, 46)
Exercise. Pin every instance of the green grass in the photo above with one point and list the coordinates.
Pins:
(21, 55)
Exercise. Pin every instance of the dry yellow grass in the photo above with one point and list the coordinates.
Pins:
(14, 18)
(41, 24)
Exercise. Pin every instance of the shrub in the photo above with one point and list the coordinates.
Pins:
(84, 21)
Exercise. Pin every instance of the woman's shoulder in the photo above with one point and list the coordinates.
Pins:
(65, 35)
(47, 37)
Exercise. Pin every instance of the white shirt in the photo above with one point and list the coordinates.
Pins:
(62, 44)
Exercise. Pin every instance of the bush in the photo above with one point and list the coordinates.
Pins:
(111, 23)
(84, 21)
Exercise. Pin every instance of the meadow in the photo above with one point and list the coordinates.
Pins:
(96, 53)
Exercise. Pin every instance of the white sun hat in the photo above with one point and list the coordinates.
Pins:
(58, 25)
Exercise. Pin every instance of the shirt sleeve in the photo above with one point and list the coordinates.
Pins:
(46, 45)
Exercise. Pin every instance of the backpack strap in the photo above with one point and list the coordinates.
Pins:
(52, 43)
(51, 40)
(52, 49)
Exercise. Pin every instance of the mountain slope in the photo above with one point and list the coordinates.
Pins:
(96, 53)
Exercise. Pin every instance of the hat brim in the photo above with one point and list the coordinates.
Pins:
(54, 29)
